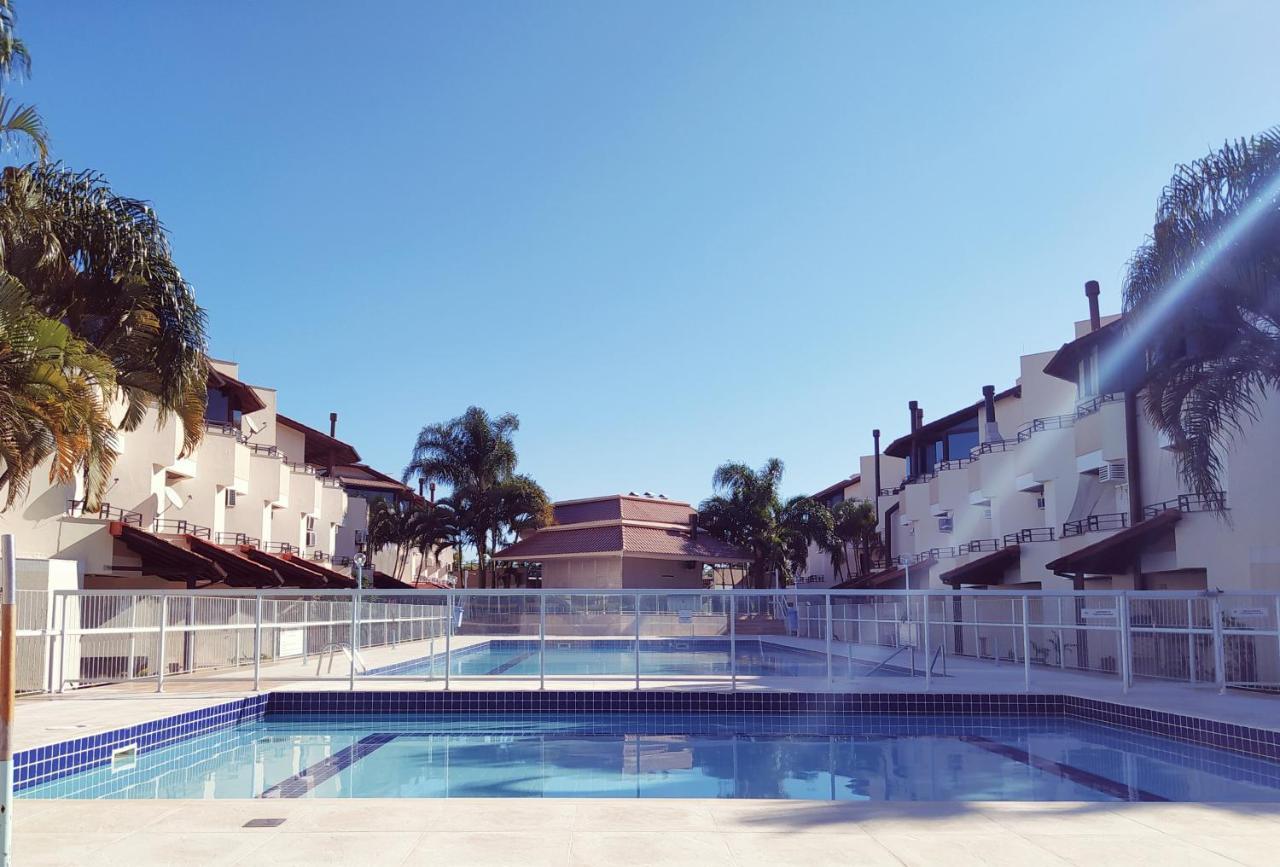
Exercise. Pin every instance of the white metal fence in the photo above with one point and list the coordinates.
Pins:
(960, 640)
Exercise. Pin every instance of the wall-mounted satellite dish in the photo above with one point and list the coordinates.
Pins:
(174, 498)
(254, 427)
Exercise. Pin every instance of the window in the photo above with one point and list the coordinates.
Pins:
(311, 531)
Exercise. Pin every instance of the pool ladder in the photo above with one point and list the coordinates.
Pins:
(331, 650)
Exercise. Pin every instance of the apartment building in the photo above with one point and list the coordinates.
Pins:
(1060, 482)
(263, 501)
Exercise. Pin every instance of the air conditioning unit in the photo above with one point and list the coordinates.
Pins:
(986, 513)
(1114, 471)
(945, 524)
(1039, 502)
(231, 498)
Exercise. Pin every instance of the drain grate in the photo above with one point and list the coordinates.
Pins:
(264, 823)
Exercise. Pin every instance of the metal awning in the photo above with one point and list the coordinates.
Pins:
(334, 578)
(383, 581)
(987, 570)
(878, 580)
(1116, 553)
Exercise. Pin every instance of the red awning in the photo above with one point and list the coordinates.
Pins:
(1116, 553)
(289, 570)
(334, 578)
(163, 558)
(878, 580)
(241, 571)
(987, 570)
(383, 581)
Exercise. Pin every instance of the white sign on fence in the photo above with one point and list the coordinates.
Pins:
(291, 642)
(1249, 613)
(685, 606)
(1098, 613)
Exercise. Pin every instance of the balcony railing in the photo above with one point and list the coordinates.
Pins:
(1028, 535)
(319, 556)
(341, 561)
(180, 527)
(226, 427)
(105, 512)
(330, 482)
(281, 548)
(299, 467)
(1095, 524)
(264, 450)
(1211, 501)
(1089, 407)
(980, 546)
(223, 538)
(1051, 422)
(993, 447)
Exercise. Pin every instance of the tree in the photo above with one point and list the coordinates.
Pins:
(19, 124)
(475, 456)
(1202, 299)
(101, 264)
(853, 526)
(54, 396)
(748, 511)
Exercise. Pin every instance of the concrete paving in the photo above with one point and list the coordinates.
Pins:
(666, 832)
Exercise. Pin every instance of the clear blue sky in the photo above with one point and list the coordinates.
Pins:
(664, 234)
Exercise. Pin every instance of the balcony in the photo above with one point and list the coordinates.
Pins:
(1095, 524)
(180, 527)
(1036, 425)
(1089, 407)
(281, 548)
(226, 428)
(1212, 501)
(104, 512)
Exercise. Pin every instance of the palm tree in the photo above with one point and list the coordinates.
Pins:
(749, 512)
(1202, 300)
(853, 526)
(475, 456)
(101, 264)
(54, 394)
(430, 528)
(18, 123)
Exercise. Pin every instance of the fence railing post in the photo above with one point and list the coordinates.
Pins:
(637, 648)
(1126, 638)
(733, 641)
(1026, 643)
(827, 599)
(355, 636)
(257, 643)
(62, 647)
(927, 641)
(160, 659)
(1191, 641)
(1219, 652)
(542, 641)
(448, 637)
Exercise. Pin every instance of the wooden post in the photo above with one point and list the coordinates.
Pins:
(8, 671)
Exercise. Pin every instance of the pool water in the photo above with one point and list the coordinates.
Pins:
(617, 657)
(801, 756)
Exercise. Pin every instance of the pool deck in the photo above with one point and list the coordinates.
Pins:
(602, 833)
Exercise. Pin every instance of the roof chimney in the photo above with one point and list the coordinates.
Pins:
(421, 485)
(990, 427)
(1091, 290)
(432, 488)
(333, 425)
(693, 525)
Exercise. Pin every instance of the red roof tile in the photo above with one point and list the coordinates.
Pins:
(656, 510)
(592, 510)
(586, 540)
(665, 542)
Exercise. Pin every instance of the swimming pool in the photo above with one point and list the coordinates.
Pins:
(811, 756)
(617, 657)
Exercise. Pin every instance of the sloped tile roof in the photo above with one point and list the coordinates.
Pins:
(667, 542)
